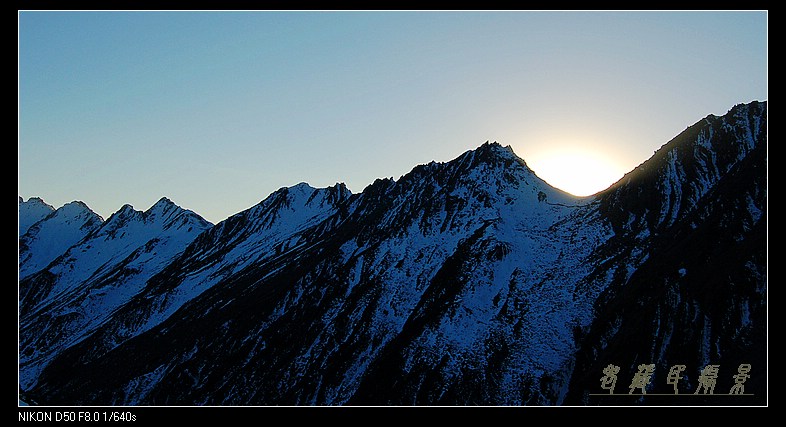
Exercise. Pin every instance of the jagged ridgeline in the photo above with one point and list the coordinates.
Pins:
(470, 282)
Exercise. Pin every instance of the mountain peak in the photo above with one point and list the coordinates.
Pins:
(497, 149)
(493, 156)
(467, 282)
(165, 200)
(169, 212)
(78, 209)
(685, 169)
(494, 153)
(32, 211)
(163, 204)
(121, 217)
(77, 205)
(51, 236)
(36, 200)
(126, 209)
(36, 203)
(302, 186)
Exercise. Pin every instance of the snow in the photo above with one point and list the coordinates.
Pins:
(276, 222)
(753, 209)
(535, 234)
(706, 335)
(680, 192)
(136, 390)
(745, 314)
(99, 274)
(523, 280)
(53, 235)
(32, 211)
(671, 183)
(122, 234)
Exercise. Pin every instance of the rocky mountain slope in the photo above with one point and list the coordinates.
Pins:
(462, 283)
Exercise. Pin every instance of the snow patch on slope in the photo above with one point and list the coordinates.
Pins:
(32, 211)
(50, 237)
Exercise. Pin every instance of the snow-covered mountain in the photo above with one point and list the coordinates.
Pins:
(466, 282)
(52, 235)
(32, 211)
(256, 235)
(698, 295)
(65, 301)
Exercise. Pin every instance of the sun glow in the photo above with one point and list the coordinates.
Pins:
(579, 172)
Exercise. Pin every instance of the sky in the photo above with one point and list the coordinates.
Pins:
(216, 110)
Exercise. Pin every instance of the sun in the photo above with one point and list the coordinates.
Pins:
(580, 172)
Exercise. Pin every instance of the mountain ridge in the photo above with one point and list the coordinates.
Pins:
(466, 282)
(105, 266)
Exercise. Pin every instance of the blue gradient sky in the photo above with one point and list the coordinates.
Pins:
(216, 110)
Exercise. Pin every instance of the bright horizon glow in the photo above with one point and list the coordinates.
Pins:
(578, 172)
(217, 110)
